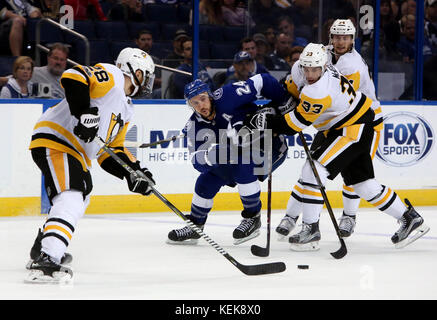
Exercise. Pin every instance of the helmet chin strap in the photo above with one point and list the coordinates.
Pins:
(137, 88)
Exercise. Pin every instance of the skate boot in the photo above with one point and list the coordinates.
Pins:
(185, 235)
(346, 225)
(248, 229)
(307, 239)
(410, 221)
(44, 270)
(35, 251)
(285, 226)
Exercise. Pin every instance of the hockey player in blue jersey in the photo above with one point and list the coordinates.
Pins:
(212, 131)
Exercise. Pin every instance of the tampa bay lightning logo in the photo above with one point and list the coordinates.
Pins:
(406, 139)
(217, 94)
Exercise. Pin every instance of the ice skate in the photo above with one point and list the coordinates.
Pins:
(286, 225)
(44, 270)
(248, 229)
(185, 236)
(35, 251)
(346, 225)
(412, 228)
(307, 239)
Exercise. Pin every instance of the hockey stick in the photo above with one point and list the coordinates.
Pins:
(250, 270)
(257, 250)
(135, 144)
(340, 253)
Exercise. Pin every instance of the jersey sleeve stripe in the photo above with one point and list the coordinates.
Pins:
(360, 109)
(81, 71)
(74, 76)
(293, 123)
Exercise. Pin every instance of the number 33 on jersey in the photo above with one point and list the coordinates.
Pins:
(330, 103)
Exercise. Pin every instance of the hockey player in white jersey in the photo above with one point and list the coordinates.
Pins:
(342, 54)
(96, 103)
(329, 103)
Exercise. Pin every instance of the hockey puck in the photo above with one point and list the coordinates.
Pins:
(303, 266)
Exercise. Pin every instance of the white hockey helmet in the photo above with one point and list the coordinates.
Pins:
(129, 61)
(342, 27)
(314, 55)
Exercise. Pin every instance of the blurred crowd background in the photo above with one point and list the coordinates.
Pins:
(238, 38)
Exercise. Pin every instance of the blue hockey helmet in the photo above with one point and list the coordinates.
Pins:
(195, 88)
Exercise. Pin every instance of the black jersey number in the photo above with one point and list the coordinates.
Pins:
(347, 86)
(314, 108)
(101, 76)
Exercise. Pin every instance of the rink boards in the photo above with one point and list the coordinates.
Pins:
(405, 161)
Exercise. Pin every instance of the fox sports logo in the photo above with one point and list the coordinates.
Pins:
(405, 140)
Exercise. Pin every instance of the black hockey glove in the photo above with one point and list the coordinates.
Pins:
(140, 184)
(260, 120)
(88, 125)
(289, 106)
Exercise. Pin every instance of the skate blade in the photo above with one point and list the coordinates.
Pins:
(419, 232)
(190, 242)
(242, 240)
(38, 277)
(310, 246)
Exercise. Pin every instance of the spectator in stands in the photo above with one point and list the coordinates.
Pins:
(48, 77)
(242, 65)
(210, 12)
(293, 55)
(49, 8)
(283, 44)
(270, 34)
(13, 16)
(175, 58)
(265, 12)
(179, 80)
(248, 45)
(234, 15)
(303, 17)
(406, 45)
(144, 41)
(127, 10)
(286, 25)
(431, 22)
(408, 7)
(20, 86)
(262, 51)
(86, 9)
(389, 26)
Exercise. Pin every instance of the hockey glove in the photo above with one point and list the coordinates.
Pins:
(139, 184)
(260, 120)
(88, 125)
(289, 106)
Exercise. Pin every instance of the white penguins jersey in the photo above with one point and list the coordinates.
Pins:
(329, 103)
(355, 69)
(54, 129)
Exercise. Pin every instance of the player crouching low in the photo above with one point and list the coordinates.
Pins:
(214, 126)
(62, 146)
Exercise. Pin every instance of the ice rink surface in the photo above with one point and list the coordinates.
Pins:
(126, 257)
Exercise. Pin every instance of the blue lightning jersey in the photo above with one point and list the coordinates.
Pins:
(232, 103)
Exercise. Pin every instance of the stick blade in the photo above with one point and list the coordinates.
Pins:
(259, 251)
(259, 269)
(340, 253)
